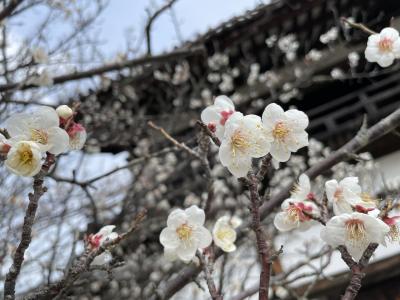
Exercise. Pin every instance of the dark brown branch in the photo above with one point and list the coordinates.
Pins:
(356, 269)
(151, 20)
(26, 236)
(262, 245)
(8, 10)
(209, 133)
(156, 59)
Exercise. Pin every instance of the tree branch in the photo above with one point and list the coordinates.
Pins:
(156, 59)
(151, 20)
(26, 236)
(55, 290)
(8, 10)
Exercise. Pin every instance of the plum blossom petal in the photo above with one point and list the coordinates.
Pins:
(40, 126)
(384, 47)
(355, 231)
(216, 115)
(185, 234)
(24, 158)
(224, 234)
(286, 130)
(244, 139)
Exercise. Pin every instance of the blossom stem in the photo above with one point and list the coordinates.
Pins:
(359, 26)
(26, 236)
(215, 295)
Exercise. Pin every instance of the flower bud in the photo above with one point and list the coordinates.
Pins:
(64, 111)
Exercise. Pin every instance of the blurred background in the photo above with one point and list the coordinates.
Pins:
(124, 63)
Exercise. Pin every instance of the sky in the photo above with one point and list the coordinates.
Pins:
(194, 16)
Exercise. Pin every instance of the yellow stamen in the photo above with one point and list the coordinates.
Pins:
(25, 155)
(355, 230)
(39, 136)
(365, 197)
(281, 131)
(394, 234)
(295, 189)
(239, 142)
(338, 196)
(225, 233)
(293, 214)
(184, 232)
(386, 45)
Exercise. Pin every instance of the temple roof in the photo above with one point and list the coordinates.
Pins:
(117, 114)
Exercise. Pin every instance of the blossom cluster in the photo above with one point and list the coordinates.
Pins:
(355, 224)
(245, 137)
(185, 233)
(31, 135)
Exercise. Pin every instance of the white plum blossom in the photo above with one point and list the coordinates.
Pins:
(293, 215)
(353, 58)
(384, 47)
(64, 111)
(40, 126)
(216, 115)
(329, 36)
(337, 73)
(289, 45)
(355, 231)
(104, 235)
(243, 140)
(393, 223)
(302, 190)
(40, 56)
(314, 55)
(287, 130)
(227, 83)
(24, 158)
(185, 233)
(346, 195)
(77, 136)
(224, 233)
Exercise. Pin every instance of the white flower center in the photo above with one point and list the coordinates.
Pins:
(281, 131)
(385, 45)
(239, 142)
(39, 136)
(355, 230)
(184, 232)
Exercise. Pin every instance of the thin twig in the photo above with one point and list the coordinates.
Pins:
(8, 10)
(359, 26)
(151, 20)
(55, 290)
(208, 273)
